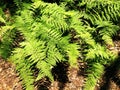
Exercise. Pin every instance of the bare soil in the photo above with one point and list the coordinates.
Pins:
(65, 78)
(9, 79)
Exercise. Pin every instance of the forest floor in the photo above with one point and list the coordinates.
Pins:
(65, 78)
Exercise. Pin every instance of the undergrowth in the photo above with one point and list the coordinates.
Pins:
(46, 29)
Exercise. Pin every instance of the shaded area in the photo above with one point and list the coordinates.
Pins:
(111, 79)
(42, 84)
(60, 76)
(66, 78)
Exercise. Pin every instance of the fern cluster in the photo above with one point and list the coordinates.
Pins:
(47, 41)
(46, 28)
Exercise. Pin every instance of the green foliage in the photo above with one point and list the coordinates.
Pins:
(6, 37)
(46, 31)
(47, 41)
(97, 69)
(100, 23)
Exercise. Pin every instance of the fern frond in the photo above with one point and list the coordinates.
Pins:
(105, 10)
(7, 34)
(95, 72)
(45, 70)
(96, 54)
(73, 54)
(81, 30)
(55, 17)
(24, 68)
(18, 3)
(107, 30)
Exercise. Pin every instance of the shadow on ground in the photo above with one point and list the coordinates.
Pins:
(111, 78)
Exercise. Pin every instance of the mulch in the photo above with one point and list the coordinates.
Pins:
(9, 79)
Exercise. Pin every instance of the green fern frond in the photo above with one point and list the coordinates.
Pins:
(95, 72)
(55, 17)
(73, 54)
(107, 30)
(7, 34)
(97, 53)
(24, 68)
(102, 10)
(4, 29)
(45, 70)
(18, 3)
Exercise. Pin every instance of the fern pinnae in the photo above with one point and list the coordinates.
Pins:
(46, 29)
(24, 68)
(97, 70)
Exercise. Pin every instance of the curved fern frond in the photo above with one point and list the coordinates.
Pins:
(107, 30)
(24, 68)
(97, 71)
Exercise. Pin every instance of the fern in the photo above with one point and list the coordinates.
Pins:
(96, 22)
(107, 31)
(24, 69)
(45, 41)
(97, 70)
(49, 29)
(46, 31)
(99, 23)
